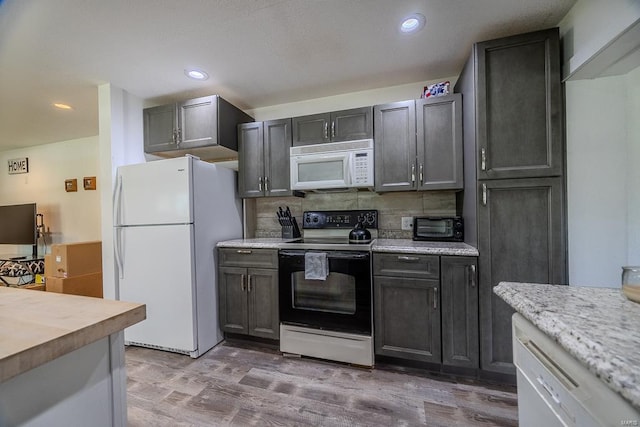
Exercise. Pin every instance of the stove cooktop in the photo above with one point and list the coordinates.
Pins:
(328, 243)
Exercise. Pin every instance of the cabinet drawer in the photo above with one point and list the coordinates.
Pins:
(248, 257)
(406, 265)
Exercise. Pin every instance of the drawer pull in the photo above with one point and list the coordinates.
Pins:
(408, 258)
(243, 251)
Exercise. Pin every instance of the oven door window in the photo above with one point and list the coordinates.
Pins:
(336, 294)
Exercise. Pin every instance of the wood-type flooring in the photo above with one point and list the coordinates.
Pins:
(240, 383)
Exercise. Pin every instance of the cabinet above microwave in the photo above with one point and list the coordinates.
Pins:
(204, 127)
(336, 126)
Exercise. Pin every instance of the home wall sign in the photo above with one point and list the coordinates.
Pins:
(20, 165)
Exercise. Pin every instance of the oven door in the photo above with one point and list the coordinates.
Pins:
(317, 171)
(341, 302)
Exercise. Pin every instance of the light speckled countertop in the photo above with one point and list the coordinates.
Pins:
(597, 326)
(37, 327)
(379, 245)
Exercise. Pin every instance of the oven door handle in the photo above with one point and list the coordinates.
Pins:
(330, 254)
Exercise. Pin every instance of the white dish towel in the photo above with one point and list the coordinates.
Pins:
(316, 265)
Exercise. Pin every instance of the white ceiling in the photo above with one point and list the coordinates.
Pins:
(257, 52)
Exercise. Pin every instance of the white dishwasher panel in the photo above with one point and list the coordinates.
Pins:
(554, 389)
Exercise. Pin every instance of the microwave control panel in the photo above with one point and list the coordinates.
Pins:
(362, 168)
(339, 219)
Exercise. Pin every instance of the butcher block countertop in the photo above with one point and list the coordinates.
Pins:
(37, 327)
(597, 326)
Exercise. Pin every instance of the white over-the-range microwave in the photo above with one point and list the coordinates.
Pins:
(333, 165)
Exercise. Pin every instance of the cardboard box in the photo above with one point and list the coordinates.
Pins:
(89, 285)
(75, 259)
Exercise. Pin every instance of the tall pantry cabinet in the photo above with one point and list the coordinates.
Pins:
(514, 198)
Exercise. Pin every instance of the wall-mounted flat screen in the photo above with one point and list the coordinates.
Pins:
(18, 224)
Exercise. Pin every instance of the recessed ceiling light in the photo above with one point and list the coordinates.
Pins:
(413, 23)
(62, 106)
(196, 74)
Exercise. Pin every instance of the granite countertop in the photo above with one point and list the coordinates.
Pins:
(597, 326)
(37, 327)
(428, 248)
(379, 245)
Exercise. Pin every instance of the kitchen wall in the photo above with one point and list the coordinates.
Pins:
(603, 145)
(68, 216)
(391, 208)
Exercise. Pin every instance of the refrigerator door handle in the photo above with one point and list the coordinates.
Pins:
(116, 201)
(116, 247)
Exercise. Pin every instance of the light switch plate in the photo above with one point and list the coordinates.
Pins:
(407, 223)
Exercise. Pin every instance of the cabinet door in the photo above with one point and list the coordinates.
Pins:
(439, 143)
(264, 317)
(395, 146)
(198, 123)
(277, 142)
(250, 160)
(520, 239)
(407, 318)
(519, 106)
(348, 125)
(312, 129)
(159, 128)
(232, 299)
(459, 286)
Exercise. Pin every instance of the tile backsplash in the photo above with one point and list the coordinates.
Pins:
(391, 208)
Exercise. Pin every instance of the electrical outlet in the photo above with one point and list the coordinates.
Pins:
(407, 222)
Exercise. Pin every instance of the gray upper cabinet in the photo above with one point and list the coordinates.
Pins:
(395, 146)
(205, 127)
(519, 106)
(418, 145)
(345, 125)
(459, 287)
(263, 158)
(439, 143)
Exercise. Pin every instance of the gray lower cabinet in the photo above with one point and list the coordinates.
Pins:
(263, 158)
(459, 289)
(407, 307)
(521, 238)
(336, 126)
(418, 144)
(247, 293)
(204, 126)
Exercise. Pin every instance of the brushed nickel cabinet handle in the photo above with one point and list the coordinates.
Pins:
(242, 283)
(333, 129)
(484, 194)
(408, 258)
(326, 130)
(421, 174)
(483, 159)
(472, 276)
(179, 137)
(266, 183)
(260, 184)
(413, 174)
(243, 251)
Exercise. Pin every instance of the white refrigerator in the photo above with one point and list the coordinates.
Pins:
(168, 217)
